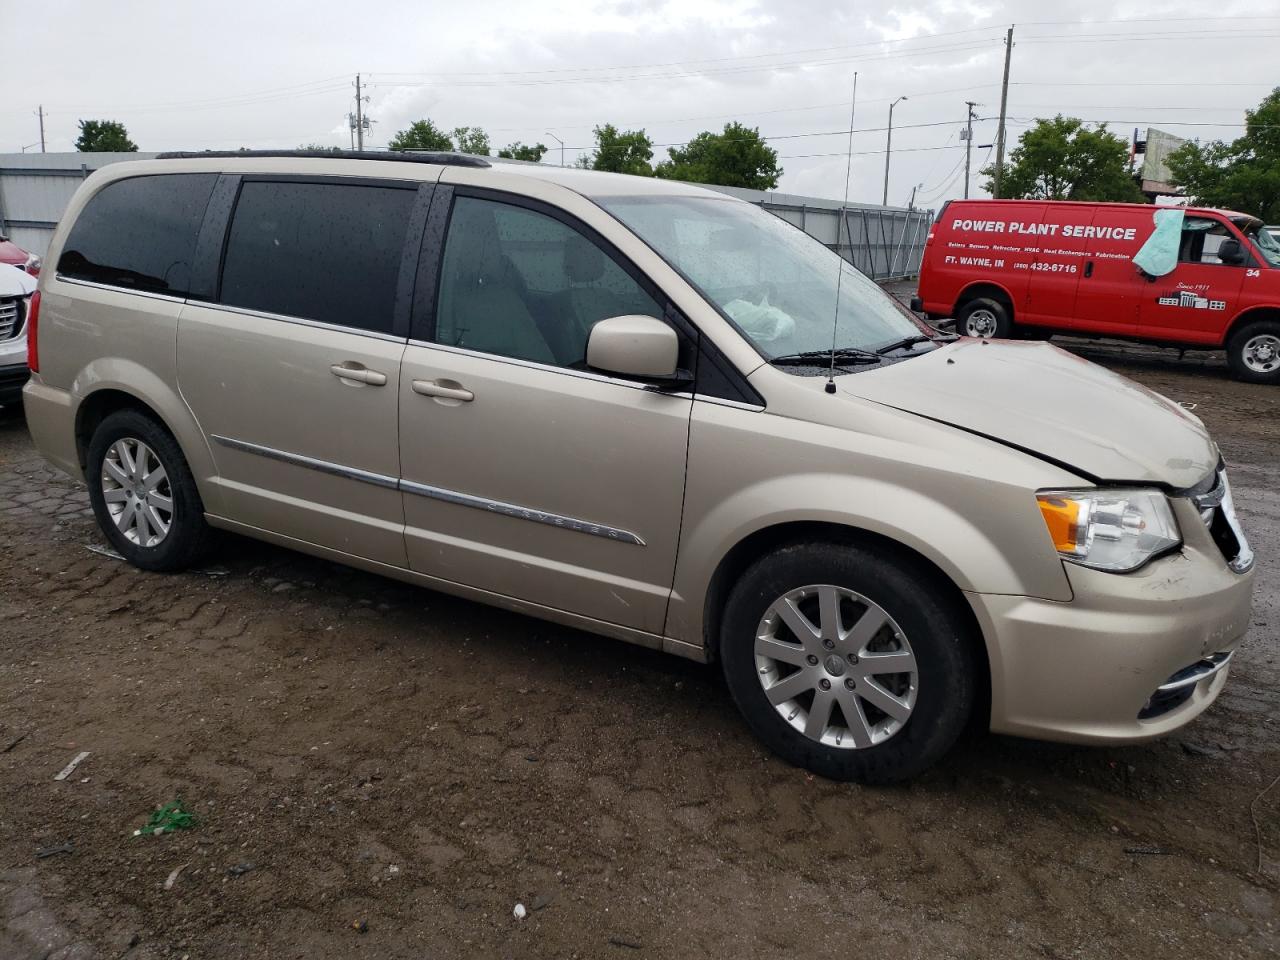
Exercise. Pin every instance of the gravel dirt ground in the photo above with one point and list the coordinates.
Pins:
(382, 771)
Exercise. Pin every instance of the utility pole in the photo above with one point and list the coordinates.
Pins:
(968, 145)
(559, 141)
(360, 107)
(1004, 104)
(40, 113)
(888, 148)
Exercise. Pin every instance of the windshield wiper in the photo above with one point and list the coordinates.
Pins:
(818, 358)
(909, 342)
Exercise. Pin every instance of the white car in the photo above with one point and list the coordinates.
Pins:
(16, 288)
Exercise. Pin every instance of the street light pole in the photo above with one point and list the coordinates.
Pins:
(888, 148)
(559, 141)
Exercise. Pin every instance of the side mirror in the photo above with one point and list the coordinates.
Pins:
(634, 346)
(1231, 252)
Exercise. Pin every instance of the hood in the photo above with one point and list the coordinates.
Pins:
(1051, 403)
(15, 282)
(10, 252)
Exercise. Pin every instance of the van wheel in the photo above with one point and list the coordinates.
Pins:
(1253, 352)
(984, 318)
(846, 663)
(143, 494)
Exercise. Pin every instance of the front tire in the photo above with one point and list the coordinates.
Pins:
(1253, 352)
(848, 663)
(143, 494)
(984, 318)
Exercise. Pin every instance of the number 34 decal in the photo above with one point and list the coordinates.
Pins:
(1253, 272)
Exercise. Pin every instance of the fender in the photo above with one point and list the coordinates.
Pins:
(924, 524)
(1255, 311)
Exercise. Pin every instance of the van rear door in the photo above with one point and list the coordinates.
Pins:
(1110, 286)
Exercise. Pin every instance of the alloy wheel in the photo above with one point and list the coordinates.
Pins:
(137, 492)
(836, 667)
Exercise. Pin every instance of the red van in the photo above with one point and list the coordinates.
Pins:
(1007, 268)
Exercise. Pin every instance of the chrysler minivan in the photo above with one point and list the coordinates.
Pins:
(649, 411)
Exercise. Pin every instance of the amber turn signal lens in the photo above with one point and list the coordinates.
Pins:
(1062, 517)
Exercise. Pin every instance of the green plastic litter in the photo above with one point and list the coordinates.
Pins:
(172, 816)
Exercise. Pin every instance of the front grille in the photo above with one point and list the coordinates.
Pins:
(1218, 512)
(10, 318)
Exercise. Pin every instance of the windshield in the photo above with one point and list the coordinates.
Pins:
(1266, 243)
(774, 281)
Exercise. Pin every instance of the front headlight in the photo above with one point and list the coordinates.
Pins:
(1113, 530)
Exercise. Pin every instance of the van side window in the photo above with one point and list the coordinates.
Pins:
(319, 251)
(1201, 238)
(139, 233)
(518, 283)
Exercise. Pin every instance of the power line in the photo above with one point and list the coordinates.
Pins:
(680, 63)
(866, 153)
(231, 99)
(694, 74)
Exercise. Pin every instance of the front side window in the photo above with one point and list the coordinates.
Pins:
(139, 233)
(1201, 238)
(318, 251)
(518, 283)
(774, 281)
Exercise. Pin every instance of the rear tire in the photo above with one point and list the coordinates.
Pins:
(822, 700)
(984, 318)
(1253, 352)
(143, 494)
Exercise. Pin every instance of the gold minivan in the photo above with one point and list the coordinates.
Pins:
(650, 411)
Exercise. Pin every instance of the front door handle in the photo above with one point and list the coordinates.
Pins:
(358, 373)
(1088, 268)
(444, 389)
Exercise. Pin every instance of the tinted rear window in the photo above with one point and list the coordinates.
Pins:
(319, 251)
(139, 233)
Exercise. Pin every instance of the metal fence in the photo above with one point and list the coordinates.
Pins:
(885, 243)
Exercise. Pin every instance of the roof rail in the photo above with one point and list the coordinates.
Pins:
(395, 156)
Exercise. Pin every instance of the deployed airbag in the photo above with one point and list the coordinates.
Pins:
(1159, 255)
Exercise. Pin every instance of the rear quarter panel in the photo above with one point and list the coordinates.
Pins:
(95, 338)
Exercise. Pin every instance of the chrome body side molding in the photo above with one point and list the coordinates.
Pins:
(434, 493)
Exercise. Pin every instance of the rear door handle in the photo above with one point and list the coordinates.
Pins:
(1088, 268)
(446, 390)
(358, 373)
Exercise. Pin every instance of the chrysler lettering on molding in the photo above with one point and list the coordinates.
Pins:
(1046, 229)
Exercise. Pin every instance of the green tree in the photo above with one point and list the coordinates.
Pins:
(621, 151)
(421, 135)
(1242, 175)
(318, 148)
(104, 136)
(1062, 159)
(519, 151)
(738, 157)
(471, 140)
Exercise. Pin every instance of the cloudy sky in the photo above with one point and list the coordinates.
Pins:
(280, 73)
